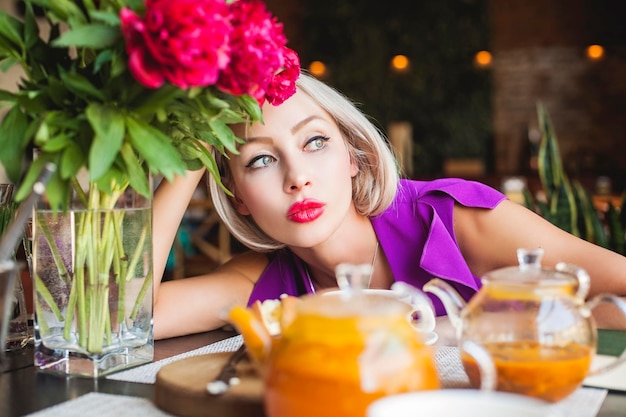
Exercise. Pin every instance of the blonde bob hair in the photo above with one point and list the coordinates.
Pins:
(373, 188)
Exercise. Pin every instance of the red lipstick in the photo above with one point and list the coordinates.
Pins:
(305, 211)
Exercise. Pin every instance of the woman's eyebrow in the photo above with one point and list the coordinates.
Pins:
(303, 122)
(293, 130)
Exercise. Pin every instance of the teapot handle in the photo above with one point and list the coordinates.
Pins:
(486, 365)
(621, 305)
(584, 282)
(422, 316)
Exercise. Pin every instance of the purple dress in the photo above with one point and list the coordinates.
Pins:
(416, 234)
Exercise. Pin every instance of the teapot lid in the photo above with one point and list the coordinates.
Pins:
(353, 297)
(338, 304)
(530, 272)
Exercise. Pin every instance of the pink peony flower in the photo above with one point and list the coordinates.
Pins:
(257, 50)
(184, 42)
(283, 85)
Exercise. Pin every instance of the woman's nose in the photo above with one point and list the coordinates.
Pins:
(296, 178)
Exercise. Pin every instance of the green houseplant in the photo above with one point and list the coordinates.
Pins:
(118, 91)
(567, 204)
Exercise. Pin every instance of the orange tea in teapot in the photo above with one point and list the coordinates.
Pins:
(547, 372)
(336, 353)
(338, 366)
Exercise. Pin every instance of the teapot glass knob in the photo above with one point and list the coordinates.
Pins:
(529, 258)
(352, 278)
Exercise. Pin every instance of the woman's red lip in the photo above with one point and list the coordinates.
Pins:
(305, 211)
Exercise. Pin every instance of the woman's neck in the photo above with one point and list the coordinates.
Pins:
(357, 244)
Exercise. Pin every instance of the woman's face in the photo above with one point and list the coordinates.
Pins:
(294, 173)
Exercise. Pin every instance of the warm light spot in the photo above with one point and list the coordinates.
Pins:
(483, 59)
(595, 52)
(317, 68)
(400, 63)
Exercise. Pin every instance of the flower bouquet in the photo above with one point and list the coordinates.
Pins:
(114, 92)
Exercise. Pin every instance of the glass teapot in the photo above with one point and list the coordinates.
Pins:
(534, 323)
(338, 353)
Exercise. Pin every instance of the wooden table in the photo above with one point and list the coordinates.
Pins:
(23, 390)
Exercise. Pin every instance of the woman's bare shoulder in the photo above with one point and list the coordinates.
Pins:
(248, 264)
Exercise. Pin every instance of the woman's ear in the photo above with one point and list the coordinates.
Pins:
(354, 167)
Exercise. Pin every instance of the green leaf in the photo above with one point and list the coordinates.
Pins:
(108, 124)
(72, 160)
(549, 157)
(96, 36)
(224, 135)
(31, 28)
(109, 18)
(66, 10)
(206, 157)
(54, 185)
(101, 59)
(57, 143)
(11, 29)
(136, 174)
(156, 148)
(587, 215)
(251, 107)
(7, 96)
(13, 142)
(152, 100)
(7, 63)
(563, 209)
(81, 86)
(58, 192)
(107, 182)
(561, 198)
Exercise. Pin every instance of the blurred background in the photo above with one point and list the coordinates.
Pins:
(461, 78)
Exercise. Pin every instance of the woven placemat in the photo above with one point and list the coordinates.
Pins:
(146, 374)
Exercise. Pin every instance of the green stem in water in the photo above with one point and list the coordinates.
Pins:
(120, 266)
(99, 258)
(142, 293)
(42, 290)
(77, 300)
(137, 254)
(54, 250)
(41, 319)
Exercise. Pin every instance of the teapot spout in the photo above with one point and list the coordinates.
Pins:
(452, 301)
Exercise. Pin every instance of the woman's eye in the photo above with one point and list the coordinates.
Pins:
(260, 161)
(316, 143)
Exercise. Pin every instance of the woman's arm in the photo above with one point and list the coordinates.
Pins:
(197, 304)
(171, 200)
(489, 239)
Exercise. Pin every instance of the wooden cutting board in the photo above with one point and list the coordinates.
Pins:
(181, 388)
